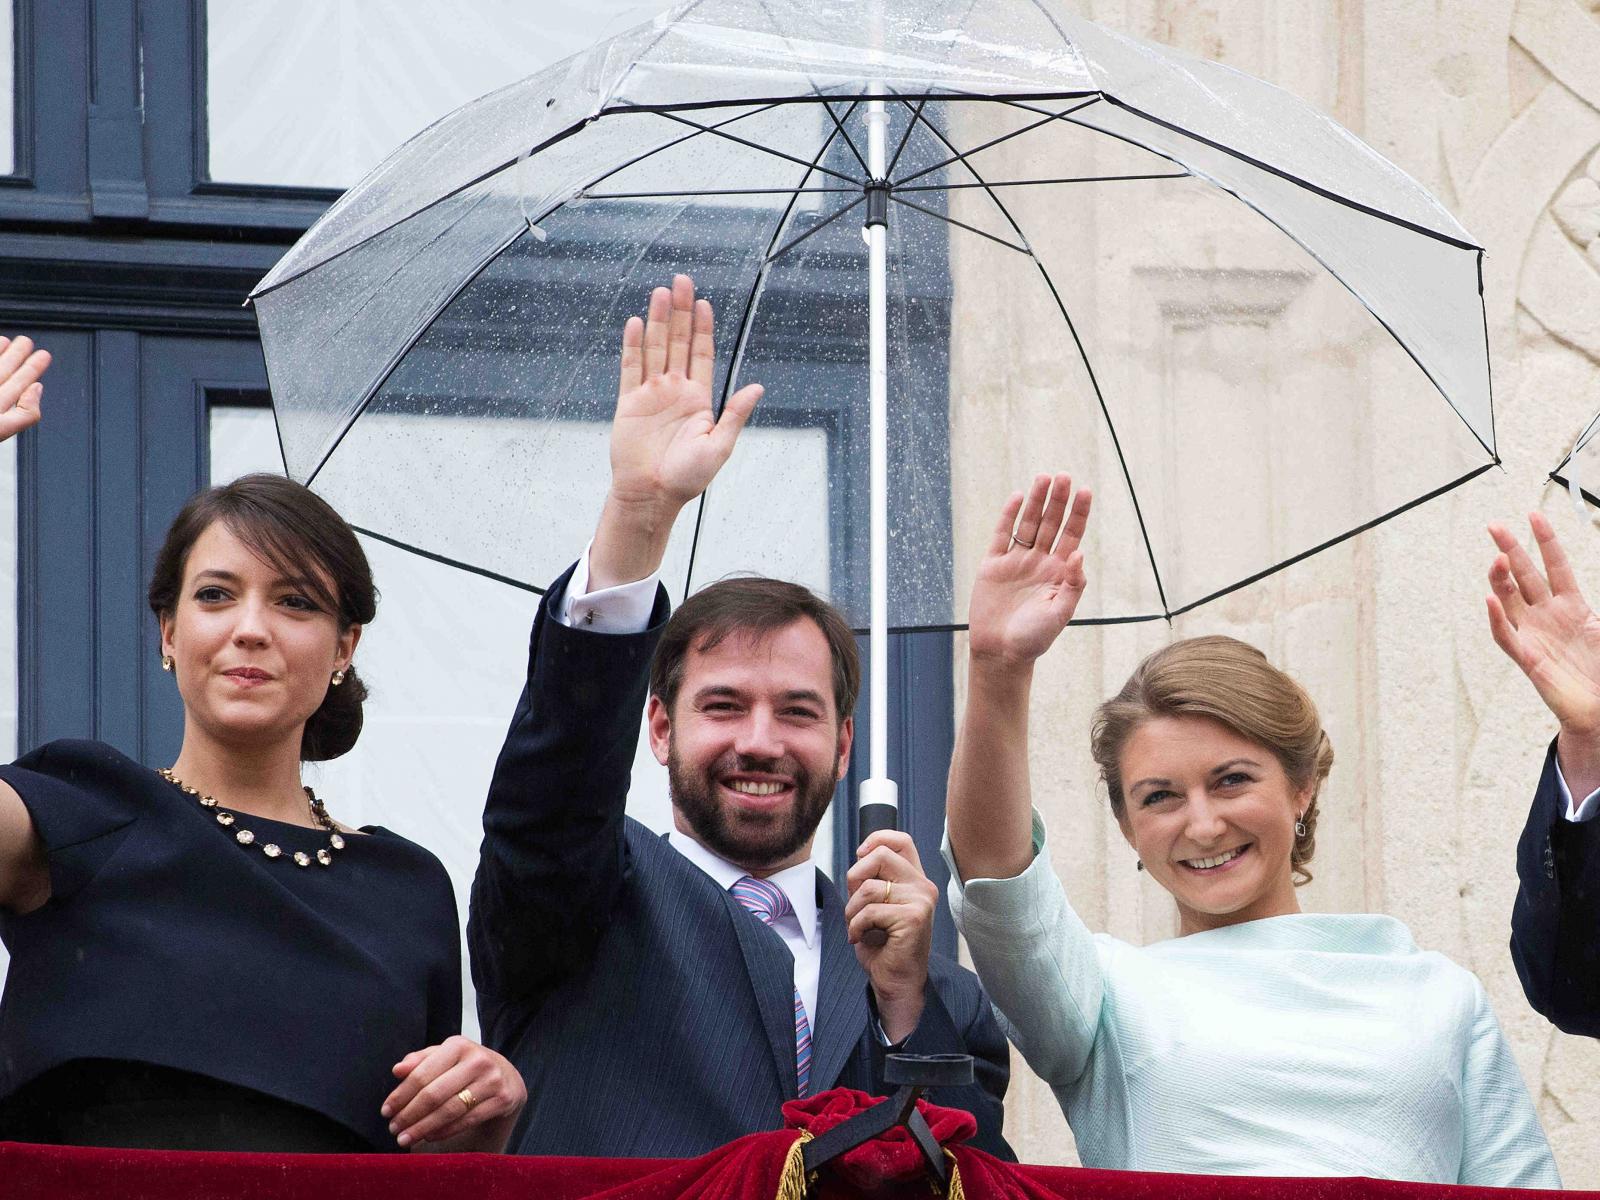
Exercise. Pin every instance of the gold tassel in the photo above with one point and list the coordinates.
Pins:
(792, 1184)
(956, 1191)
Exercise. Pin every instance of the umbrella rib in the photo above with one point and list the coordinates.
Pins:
(1557, 477)
(817, 228)
(961, 156)
(714, 192)
(712, 129)
(1387, 328)
(1137, 619)
(1088, 368)
(865, 170)
(665, 146)
(736, 358)
(906, 137)
(999, 183)
(816, 92)
(495, 170)
(1334, 541)
(1317, 189)
(449, 562)
(394, 362)
(939, 216)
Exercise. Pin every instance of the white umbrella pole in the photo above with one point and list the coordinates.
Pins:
(879, 800)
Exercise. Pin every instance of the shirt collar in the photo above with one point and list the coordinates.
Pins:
(798, 882)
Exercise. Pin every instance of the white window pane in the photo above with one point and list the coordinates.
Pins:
(8, 87)
(318, 92)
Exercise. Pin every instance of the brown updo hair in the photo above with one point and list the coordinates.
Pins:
(1231, 683)
(296, 531)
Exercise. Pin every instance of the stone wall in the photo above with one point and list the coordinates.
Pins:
(1495, 106)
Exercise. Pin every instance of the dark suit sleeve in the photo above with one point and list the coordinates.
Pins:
(553, 859)
(958, 1019)
(1554, 939)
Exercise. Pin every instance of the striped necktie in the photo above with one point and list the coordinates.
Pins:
(767, 902)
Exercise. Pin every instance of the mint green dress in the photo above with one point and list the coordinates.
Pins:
(1295, 1045)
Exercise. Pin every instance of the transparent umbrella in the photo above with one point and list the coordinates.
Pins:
(1250, 331)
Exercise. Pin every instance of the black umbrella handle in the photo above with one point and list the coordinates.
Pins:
(870, 818)
(873, 817)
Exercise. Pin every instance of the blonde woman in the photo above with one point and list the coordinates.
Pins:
(1261, 1040)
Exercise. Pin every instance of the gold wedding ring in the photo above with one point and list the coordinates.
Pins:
(466, 1097)
(888, 890)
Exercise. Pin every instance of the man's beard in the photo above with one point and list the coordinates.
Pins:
(753, 840)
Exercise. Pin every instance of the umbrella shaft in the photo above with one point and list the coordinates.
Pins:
(878, 395)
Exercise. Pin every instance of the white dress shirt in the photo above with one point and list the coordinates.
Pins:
(800, 930)
(626, 609)
(1576, 812)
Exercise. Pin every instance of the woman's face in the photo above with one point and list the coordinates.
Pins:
(254, 652)
(1212, 816)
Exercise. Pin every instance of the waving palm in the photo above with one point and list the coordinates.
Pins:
(1546, 627)
(20, 390)
(666, 444)
(1031, 577)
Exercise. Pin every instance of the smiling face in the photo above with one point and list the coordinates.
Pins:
(753, 745)
(254, 651)
(1212, 816)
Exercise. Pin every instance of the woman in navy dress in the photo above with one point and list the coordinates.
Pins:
(202, 957)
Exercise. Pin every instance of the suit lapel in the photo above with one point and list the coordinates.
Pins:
(842, 1012)
(771, 970)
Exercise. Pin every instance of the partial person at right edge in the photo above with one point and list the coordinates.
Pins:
(1261, 1040)
(666, 995)
(1545, 626)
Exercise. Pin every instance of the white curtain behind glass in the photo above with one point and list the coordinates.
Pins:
(318, 92)
(8, 87)
(447, 655)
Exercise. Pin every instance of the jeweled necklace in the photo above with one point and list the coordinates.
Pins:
(245, 837)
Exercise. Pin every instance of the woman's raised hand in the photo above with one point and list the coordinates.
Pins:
(1546, 627)
(20, 390)
(457, 1092)
(1031, 577)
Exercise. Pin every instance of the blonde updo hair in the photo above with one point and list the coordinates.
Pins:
(1232, 683)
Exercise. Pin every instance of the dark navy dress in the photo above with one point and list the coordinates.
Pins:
(171, 959)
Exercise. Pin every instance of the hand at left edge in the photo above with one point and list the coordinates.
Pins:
(430, 1105)
(889, 891)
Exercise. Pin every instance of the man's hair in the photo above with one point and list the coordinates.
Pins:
(756, 606)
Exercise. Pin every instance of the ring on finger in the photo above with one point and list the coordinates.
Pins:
(466, 1097)
(888, 890)
(1016, 541)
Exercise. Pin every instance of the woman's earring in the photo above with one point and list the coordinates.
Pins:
(1138, 864)
(166, 662)
(338, 678)
(1300, 826)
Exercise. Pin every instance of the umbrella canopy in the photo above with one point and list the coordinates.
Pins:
(1252, 333)
(1579, 471)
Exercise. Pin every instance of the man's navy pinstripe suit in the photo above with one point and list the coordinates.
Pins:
(1555, 924)
(649, 1013)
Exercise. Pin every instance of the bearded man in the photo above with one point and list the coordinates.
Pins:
(665, 995)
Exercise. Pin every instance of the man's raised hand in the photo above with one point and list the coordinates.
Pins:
(1031, 577)
(20, 390)
(666, 443)
(1545, 626)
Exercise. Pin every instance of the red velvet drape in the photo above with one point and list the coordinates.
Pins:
(752, 1168)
